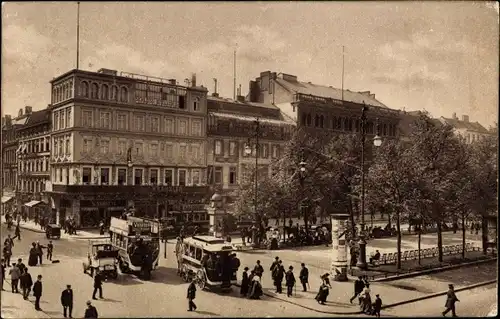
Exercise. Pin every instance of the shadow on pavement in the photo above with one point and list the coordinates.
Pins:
(166, 275)
(110, 300)
(126, 280)
(208, 313)
(56, 314)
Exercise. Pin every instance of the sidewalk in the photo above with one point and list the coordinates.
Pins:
(13, 306)
(80, 234)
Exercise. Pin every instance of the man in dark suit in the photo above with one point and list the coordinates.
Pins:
(359, 285)
(191, 295)
(91, 311)
(67, 301)
(97, 285)
(304, 276)
(290, 281)
(37, 292)
(451, 299)
(26, 283)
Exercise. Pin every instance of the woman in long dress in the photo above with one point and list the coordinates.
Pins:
(245, 283)
(324, 290)
(366, 300)
(256, 288)
(33, 257)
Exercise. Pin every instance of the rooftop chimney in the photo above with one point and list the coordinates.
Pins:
(107, 71)
(172, 81)
(465, 118)
(215, 94)
(28, 109)
(193, 79)
(454, 116)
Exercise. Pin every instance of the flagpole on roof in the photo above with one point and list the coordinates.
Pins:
(342, 73)
(78, 35)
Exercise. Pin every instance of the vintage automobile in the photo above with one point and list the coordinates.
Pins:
(102, 257)
(210, 260)
(53, 231)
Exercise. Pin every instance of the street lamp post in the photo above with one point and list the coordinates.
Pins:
(248, 151)
(377, 141)
(302, 176)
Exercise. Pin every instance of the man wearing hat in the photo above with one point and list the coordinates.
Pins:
(290, 281)
(37, 292)
(273, 266)
(67, 301)
(451, 298)
(91, 311)
(377, 306)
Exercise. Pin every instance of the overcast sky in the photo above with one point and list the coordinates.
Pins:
(441, 57)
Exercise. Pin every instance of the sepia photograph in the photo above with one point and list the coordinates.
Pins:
(249, 159)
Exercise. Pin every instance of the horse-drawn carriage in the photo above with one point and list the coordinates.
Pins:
(210, 260)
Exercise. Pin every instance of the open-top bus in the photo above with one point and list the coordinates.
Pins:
(210, 259)
(138, 242)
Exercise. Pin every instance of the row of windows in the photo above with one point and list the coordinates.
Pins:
(156, 176)
(34, 165)
(9, 157)
(32, 186)
(38, 145)
(152, 149)
(62, 146)
(62, 119)
(96, 91)
(62, 92)
(140, 123)
(263, 149)
(346, 124)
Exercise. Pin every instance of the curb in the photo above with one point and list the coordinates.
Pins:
(78, 238)
(31, 302)
(399, 303)
(442, 293)
(307, 307)
(433, 270)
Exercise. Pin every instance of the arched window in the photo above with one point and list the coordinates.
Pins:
(321, 121)
(123, 94)
(84, 90)
(68, 91)
(114, 93)
(94, 91)
(358, 125)
(309, 121)
(350, 125)
(105, 92)
(316, 121)
(303, 119)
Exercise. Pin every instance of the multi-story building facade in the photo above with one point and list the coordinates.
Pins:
(33, 165)
(125, 140)
(10, 147)
(469, 131)
(318, 107)
(231, 127)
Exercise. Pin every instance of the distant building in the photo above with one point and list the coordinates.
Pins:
(34, 161)
(470, 131)
(319, 107)
(126, 141)
(10, 138)
(231, 127)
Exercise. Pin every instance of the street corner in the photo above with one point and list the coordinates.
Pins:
(32, 228)
(13, 306)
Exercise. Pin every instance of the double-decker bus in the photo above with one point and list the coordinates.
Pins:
(138, 241)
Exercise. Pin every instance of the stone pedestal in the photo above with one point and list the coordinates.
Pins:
(338, 268)
(216, 214)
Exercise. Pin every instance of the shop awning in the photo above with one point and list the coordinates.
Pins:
(33, 203)
(6, 199)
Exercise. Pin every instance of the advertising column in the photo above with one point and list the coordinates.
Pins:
(338, 268)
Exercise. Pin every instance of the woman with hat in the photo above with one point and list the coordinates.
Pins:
(324, 289)
(245, 283)
(255, 287)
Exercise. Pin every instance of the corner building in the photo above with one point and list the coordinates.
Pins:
(125, 141)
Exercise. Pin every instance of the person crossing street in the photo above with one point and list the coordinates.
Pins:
(359, 285)
(37, 292)
(67, 301)
(91, 311)
(26, 282)
(191, 295)
(304, 277)
(97, 285)
(290, 281)
(50, 249)
(451, 299)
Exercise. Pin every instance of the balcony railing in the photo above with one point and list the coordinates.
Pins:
(129, 189)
